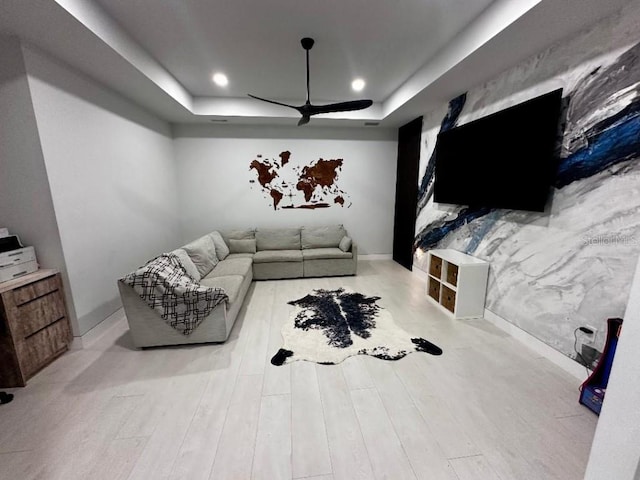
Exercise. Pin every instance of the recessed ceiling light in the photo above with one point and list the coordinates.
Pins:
(220, 79)
(358, 84)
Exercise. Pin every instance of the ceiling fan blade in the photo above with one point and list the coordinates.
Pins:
(273, 101)
(340, 107)
(307, 110)
(304, 120)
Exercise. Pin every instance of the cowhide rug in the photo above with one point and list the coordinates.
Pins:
(328, 326)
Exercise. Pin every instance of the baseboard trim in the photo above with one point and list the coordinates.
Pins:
(89, 338)
(565, 363)
(376, 256)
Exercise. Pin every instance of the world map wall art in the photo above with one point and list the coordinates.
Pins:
(286, 184)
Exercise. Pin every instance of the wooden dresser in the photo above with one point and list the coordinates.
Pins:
(34, 326)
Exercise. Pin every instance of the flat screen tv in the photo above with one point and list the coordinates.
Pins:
(504, 160)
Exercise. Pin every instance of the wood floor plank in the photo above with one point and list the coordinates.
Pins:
(95, 437)
(356, 373)
(277, 379)
(386, 454)
(163, 445)
(474, 468)
(349, 457)
(310, 450)
(425, 454)
(319, 477)
(272, 458)
(196, 455)
(19, 465)
(117, 460)
(442, 422)
(234, 456)
(257, 331)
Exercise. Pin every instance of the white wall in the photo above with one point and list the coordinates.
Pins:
(615, 452)
(26, 207)
(216, 193)
(111, 172)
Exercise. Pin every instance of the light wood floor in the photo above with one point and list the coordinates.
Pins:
(486, 409)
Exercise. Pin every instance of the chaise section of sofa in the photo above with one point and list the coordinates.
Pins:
(233, 274)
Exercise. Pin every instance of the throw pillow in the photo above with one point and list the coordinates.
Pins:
(203, 254)
(221, 247)
(345, 244)
(242, 246)
(188, 265)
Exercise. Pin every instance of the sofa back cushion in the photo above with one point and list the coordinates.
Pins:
(242, 246)
(278, 239)
(202, 253)
(247, 234)
(222, 250)
(322, 237)
(188, 264)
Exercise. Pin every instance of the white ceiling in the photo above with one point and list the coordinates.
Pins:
(257, 43)
(413, 54)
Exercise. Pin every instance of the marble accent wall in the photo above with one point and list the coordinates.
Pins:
(573, 264)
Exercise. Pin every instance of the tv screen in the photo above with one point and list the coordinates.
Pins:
(504, 160)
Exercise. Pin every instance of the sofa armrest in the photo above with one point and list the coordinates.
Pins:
(354, 250)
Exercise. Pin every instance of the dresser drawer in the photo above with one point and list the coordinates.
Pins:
(34, 290)
(44, 346)
(40, 312)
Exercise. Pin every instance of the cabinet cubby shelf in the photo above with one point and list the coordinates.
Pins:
(457, 282)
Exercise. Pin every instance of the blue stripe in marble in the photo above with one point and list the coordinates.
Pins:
(478, 234)
(448, 122)
(433, 233)
(619, 141)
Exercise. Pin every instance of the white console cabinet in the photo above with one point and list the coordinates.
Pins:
(457, 282)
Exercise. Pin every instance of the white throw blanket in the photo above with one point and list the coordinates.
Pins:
(164, 284)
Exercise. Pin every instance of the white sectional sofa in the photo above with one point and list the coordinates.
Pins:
(231, 260)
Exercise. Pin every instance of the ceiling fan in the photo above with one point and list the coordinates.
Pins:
(307, 110)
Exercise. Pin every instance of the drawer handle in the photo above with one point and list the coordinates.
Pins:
(13, 254)
(19, 273)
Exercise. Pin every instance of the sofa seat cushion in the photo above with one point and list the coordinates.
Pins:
(270, 256)
(322, 237)
(229, 283)
(239, 255)
(278, 239)
(322, 253)
(231, 266)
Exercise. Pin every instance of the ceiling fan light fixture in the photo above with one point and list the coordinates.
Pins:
(220, 79)
(358, 85)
